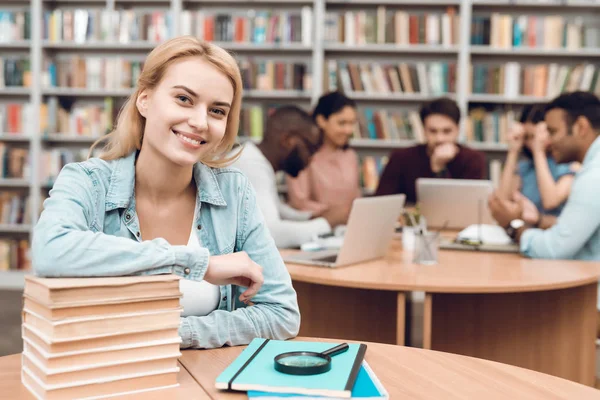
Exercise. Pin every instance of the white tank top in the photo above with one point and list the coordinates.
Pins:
(199, 298)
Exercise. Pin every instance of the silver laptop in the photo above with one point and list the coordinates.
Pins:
(368, 233)
(454, 203)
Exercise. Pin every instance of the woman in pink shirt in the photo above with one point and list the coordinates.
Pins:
(332, 177)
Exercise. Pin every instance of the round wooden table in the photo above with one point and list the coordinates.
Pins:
(409, 373)
(404, 372)
(536, 314)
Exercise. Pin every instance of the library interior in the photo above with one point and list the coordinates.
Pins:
(264, 199)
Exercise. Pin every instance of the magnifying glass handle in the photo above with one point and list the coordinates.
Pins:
(336, 350)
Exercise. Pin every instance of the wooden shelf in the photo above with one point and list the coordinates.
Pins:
(533, 3)
(16, 228)
(534, 52)
(14, 137)
(13, 279)
(397, 97)
(390, 48)
(501, 99)
(82, 92)
(68, 138)
(15, 183)
(487, 146)
(260, 47)
(428, 3)
(114, 46)
(276, 94)
(381, 143)
(16, 45)
(246, 2)
(15, 91)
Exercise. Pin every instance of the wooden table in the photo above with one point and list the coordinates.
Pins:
(409, 373)
(405, 373)
(11, 387)
(536, 314)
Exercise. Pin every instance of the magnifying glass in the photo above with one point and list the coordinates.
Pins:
(307, 362)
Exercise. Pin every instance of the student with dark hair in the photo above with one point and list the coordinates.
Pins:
(439, 157)
(573, 122)
(537, 177)
(289, 142)
(331, 181)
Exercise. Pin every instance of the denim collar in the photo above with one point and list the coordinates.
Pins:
(122, 183)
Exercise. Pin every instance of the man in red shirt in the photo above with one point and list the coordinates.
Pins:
(440, 157)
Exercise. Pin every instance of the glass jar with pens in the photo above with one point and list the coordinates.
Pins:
(426, 243)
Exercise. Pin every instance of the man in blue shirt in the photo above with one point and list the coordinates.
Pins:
(573, 122)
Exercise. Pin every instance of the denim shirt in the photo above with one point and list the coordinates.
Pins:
(89, 227)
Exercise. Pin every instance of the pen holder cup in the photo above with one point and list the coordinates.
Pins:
(426, 248)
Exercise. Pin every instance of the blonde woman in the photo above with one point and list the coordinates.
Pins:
(160, 199)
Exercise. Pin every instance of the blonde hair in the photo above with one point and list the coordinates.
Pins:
(127, 135)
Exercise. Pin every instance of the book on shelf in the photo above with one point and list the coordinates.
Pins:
(275, 75)
(15, 118)
(506, 31)
(372, 123)
(14, 162)
(388, 125)
(89, 119)
(108, 26)
(99, 353)
(14, 25)
(382, 25)
(546, 81)
(14, 208)
(253, 119)
(14, 255)
(91, 72)
(489, 126)
(429, 79)
(15, 71)
(52, 162)
(249, 26)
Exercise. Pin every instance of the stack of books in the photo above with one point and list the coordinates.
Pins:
(97, 337)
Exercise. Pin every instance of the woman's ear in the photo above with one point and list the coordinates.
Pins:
(321, 121)
(142, 103)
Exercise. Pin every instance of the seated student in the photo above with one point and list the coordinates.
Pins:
(543, 181)
(332, 178)
(439, 157)
(160, 200)
(290, 140)
(573, 122)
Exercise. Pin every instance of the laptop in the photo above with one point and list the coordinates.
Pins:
(454, 203)
(368, 234)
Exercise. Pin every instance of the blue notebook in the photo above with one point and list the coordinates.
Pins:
(367, 386)
(254, 370)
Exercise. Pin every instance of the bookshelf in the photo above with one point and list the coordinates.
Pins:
(315, 45)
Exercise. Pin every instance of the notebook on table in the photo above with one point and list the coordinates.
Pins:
(367, 386)
(253, 370)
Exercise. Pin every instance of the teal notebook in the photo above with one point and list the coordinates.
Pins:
(367, 386)
(254, 370)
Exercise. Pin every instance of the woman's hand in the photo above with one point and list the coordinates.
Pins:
(540, 138)
(516, 137)
(235, 269)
